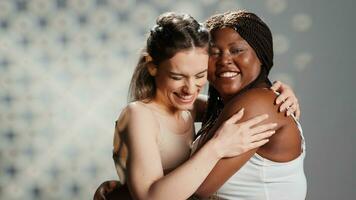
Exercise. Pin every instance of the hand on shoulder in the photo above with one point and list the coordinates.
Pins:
(285, 144)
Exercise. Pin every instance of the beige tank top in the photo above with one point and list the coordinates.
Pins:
(174, 147)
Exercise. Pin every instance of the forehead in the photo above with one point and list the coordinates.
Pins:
(190, 61)
(226, 35)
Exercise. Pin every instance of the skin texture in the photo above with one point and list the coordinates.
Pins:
(233, 57)
(232, 53)
(178, 80)
(178, 83)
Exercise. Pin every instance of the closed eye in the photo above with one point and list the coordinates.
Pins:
(200, 76)
(236, 50)
(177, 78)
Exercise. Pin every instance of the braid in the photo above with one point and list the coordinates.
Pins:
(215, 106)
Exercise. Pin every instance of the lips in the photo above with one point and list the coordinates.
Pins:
(185, 98)
(228, 74)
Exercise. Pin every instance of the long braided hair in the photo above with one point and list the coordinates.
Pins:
(257, 34)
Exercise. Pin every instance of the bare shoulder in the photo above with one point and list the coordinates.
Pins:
(129, 112)
(137, 108)
(283, 146)
(261, 95)
(137, 117)
(140, 112)
(255, 101)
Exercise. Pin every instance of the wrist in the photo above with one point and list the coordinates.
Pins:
(215, 148)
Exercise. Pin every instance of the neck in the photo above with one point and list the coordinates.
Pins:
(164, 108)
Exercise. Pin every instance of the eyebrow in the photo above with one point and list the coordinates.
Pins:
(230, 44)
(178, 74)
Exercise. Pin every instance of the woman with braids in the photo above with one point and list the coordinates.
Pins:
(154, 132)
(241, 56)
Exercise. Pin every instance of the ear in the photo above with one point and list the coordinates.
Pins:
(152, 68)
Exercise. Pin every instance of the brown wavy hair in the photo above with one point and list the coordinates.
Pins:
(172, 33)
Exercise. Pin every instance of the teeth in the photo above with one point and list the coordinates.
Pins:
(228, 74)
(185, 97)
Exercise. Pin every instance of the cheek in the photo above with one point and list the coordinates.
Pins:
(256, 70)
(251, 65)
(246, 61)
(173, 85)
(164, 83)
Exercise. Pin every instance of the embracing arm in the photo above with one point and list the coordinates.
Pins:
(288, 102)
(146, 179)
(256, 102)
(287, 99)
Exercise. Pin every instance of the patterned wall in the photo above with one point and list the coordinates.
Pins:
(65, 66)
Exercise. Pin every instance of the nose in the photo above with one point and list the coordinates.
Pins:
(190, 87)
(225, 58)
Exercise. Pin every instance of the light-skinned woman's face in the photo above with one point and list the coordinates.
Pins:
(180, 78)
(233, 64)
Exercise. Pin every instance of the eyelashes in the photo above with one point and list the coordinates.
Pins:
(232, 51)
(178, 78)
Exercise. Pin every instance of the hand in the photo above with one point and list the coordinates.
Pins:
(237, 138)
(287, 98)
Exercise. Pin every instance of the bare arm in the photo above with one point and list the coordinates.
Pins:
(145, 172)
(255, 102)
(146, 179)
(288, 102)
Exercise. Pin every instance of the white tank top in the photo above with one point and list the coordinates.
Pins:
(264, 179)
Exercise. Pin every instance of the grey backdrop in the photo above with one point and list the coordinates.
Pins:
(65, 66)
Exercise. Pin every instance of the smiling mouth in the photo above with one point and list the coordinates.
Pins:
(185, 98)
(228, 74)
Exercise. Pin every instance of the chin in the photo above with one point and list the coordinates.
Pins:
(184, 106)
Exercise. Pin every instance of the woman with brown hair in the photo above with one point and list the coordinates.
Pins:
(154, 132)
